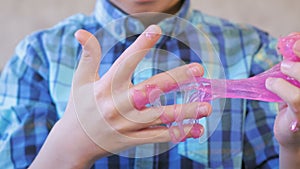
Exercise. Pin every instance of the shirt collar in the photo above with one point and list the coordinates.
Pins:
(120, 25)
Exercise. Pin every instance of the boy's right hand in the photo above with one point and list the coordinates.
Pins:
(106, 114)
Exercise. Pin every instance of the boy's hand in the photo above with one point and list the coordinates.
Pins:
(287, 123)
(108, 114)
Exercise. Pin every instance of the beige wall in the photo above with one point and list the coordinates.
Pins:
(279, 17)
(19, 18)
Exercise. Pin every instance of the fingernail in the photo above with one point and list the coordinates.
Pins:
(202, 110)
(269, 83)
(295, 126)
(286, 65)
(152, 32)
(194, 71)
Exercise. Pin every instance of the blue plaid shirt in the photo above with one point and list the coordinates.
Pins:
(35, 86)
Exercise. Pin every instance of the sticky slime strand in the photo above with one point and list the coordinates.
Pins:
(252, 88)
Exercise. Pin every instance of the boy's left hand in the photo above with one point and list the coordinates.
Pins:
(287, 123)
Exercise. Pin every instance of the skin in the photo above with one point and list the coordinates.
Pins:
(120, 118)
(120, 121)
(289, 112)
(139, 6)
(158, 9)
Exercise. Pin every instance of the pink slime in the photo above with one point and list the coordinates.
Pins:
(251, 88)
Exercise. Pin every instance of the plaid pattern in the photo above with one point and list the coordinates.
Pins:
(35, 85)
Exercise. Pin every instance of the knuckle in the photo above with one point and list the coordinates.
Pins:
(109, 113)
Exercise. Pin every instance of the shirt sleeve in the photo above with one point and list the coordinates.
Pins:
(27, 112)
(260, 146)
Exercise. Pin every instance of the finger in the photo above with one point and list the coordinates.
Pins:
(181, 133)
(291, 69)
(87, 70)
(149, 90)
(128, 61)
(171, 79)
(168, 114)
(288, 92)
(172, 134)
(178, 113)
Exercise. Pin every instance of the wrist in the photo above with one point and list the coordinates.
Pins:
(67, 146)
(76, 147)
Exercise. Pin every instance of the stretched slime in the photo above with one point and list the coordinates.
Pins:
(252, 88)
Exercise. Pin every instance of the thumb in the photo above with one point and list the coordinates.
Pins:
(87, 70)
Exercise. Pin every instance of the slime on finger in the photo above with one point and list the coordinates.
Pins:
(150, 93)
(143, 97)
(252, 88)
(285, 46)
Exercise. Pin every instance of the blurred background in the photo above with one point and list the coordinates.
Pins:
(21, 17)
